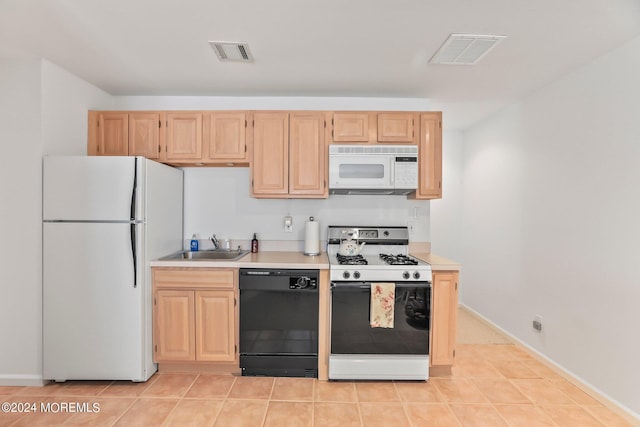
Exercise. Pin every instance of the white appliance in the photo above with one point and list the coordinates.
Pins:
(373, 169)
(359, 351)
(104, 219)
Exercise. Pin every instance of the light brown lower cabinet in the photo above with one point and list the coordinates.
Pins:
(174, 332)
(195, 315)
(444, 309)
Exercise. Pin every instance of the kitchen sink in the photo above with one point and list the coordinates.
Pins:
(206, 256)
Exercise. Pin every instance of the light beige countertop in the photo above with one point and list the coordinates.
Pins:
(291, 259)
(438, 263)
(267, 259)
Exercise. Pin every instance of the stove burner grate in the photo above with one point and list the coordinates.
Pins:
(351, 260)
(398, 259)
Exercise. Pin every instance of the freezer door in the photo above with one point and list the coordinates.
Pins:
(82, 188)
(93, 315)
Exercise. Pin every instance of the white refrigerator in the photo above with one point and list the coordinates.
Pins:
(104, 219)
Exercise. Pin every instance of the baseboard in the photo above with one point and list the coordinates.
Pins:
(610, 403)
(21, 380)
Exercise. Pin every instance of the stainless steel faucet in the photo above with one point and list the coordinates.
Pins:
(214, 240)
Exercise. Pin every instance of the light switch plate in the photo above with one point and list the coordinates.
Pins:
(288, 224)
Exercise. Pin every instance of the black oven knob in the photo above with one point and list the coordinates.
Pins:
(416, 275)
(356, 274)
(406, 275)
(346, 275)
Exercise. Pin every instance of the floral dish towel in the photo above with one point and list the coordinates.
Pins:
(383, 297)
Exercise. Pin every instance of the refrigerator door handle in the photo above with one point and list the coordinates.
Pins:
(134, 255)
(134, 190)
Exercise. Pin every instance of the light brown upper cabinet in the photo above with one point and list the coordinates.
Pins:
(225, 137)
(369, 127)
(145, 136)
(289, 155)
(307, 155)
(397, 127)
(117, 133)
(286, 150)
(270, 163)
(353, 127)
(430, 157)
(184, 137)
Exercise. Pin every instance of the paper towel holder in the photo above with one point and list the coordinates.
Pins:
(312, 238)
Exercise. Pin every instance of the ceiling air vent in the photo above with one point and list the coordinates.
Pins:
(232, 51)
(465, 49)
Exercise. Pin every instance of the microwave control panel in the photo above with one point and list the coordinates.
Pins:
(406, 172)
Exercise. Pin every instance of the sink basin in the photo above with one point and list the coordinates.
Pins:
(207, 256)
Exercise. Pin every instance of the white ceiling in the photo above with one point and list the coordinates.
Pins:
(329, 48)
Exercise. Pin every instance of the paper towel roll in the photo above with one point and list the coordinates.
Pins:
(312, 237)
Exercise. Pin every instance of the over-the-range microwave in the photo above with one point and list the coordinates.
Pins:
(373, 169)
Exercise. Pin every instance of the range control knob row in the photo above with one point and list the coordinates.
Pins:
(346, 274)
(406, 275)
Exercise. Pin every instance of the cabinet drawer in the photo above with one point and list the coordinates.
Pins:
(194, 278)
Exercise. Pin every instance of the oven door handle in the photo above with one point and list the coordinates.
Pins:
(367, 285)
(351, 285)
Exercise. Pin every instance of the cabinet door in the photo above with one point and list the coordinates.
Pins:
(307, 155)
(444, 311)
(174, 326)
(184, 136)
(112, 134)
(270, 163)
(430, 157)
(144, 135)
(396, 127)
(227, 139)
(215, 326)
(351, 127)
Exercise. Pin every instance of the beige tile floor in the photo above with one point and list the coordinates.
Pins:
(491, 385)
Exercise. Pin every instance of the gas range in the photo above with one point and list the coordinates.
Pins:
(383, 258)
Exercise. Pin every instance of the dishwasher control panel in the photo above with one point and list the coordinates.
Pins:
(303, 282)
(277, 279)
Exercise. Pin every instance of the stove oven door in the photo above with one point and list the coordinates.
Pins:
(359, 351)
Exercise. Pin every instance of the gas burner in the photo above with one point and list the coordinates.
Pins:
(398, 259)
(351, 260)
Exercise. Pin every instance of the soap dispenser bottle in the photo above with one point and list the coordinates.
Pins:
(194, 244)
(254, 244)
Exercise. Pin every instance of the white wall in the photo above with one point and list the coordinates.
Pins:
(551, 222)
(268, 103)
(217, 201)
(20, 235)
(65, 102)
(42, 111)
(446, 213)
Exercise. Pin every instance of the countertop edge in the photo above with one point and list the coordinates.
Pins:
(438, 263)
(295, 260)
(270, 259)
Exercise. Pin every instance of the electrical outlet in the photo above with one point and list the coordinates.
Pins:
(412, 227)
(288, 224)
(537, 323)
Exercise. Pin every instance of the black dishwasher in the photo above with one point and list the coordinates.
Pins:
(279, 322)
